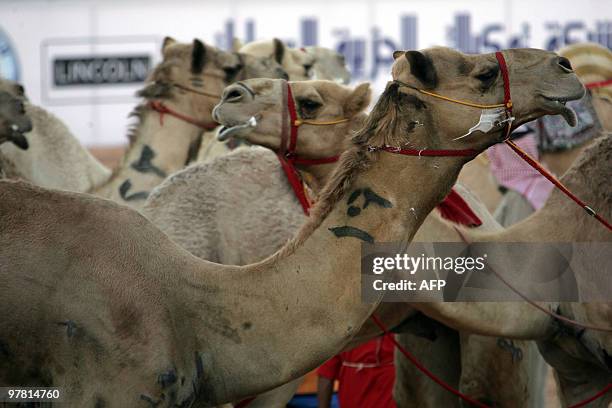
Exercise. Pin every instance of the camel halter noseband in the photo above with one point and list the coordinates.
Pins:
(507, 123)
(287, 154)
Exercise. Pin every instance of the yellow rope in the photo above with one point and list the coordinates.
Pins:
(474, 105)
(300, 122)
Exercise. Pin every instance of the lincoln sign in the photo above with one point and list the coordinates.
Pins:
(100, 70)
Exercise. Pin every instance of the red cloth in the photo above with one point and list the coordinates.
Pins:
(365, 374)
(455, 209)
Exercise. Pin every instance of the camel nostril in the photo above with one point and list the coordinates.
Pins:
(565, 64)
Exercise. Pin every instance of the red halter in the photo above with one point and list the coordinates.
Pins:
(162, 109)
(287, 155)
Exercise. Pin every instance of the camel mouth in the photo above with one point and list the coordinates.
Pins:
(226, 132)
(17, 136)
(557, 105)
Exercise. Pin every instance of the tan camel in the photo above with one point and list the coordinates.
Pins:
(328, 64)
(218, 210)
(297, 63)
(580, 357)
(125, 317)
(226, 204)
(310, 62)
(188, 81)
(189, 202)
(55, 158)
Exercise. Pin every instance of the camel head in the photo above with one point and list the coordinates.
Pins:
(297, 63)
(263, 101)
(329, 64)
(13, 120)
(540, 83)
(192, 76)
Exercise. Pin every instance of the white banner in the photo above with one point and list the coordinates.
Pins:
(82, 59)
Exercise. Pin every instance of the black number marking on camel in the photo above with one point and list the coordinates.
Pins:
(508, 345)
(348, 231)
(144, 163)
(354, 210)
(370, 197)
(125, 187)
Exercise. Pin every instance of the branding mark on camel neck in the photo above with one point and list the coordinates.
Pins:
(348, 231)
(144, 163)
(354, 210)
(369, 197)
(508, 345)
(125, 187)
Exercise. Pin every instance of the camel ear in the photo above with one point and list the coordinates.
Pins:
(167, 42)
(198, 56)
(397, 54)
(279, 50)
(236, 44)
(358, 100)
(422, 68)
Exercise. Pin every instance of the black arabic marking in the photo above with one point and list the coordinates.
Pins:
(372, 197)
(125, 187)
(508, 345)
(348, 231)
(144, 164)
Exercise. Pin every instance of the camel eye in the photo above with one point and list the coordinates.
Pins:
(487, 76)
(308, 107)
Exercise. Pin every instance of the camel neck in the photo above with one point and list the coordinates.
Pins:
(306, 299)
(161, 147)
(320, 173)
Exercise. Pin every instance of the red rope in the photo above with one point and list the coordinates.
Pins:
(593, 398)
(162, 109)
(599, 84)
(533, 163)
(424, 369)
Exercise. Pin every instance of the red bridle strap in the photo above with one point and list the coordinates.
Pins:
(507, 97)
(162, 109)
(598, 84)
(287, 154)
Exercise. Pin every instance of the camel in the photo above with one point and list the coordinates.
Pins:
(328, 64)
(187, 81)
(580, 357)
(187, 205)
(592, 63)
(318, 63)
(297, 63)
(201, 207)
(125, 317)
(55, 158)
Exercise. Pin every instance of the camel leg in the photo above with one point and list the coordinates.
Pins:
(502, 372)
(437, 347)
